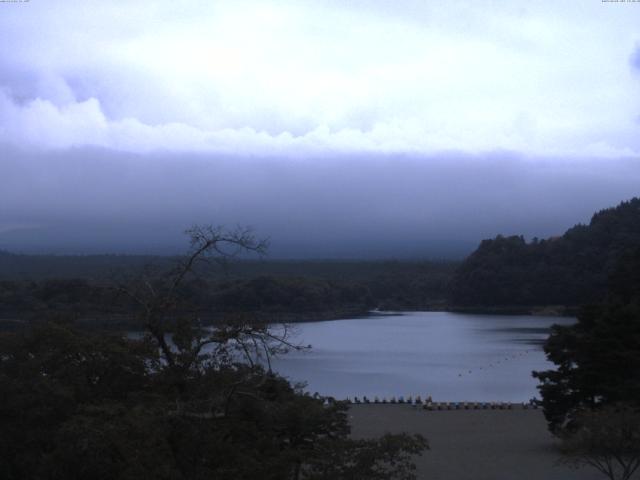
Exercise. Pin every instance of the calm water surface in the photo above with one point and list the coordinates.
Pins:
(452, 357)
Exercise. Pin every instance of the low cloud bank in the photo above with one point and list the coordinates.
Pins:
(336, 205)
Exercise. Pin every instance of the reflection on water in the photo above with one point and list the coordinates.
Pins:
(452, 357)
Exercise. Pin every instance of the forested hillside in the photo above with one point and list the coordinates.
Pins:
(86, 288)
(569, 270)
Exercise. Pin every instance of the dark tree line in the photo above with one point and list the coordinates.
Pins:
(262, 297)
(569, 270)
(324, 290)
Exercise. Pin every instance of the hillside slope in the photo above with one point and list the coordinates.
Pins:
(569, 270)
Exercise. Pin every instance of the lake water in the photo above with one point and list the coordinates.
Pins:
(452, 357)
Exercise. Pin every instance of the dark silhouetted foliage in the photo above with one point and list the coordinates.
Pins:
(297, 291)
(76, 405)
(192, 404)
(597, 359)
(569, 270)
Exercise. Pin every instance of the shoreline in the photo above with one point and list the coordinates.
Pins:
(429, 405)
(530, 310)
(127, 321)
(472, 444)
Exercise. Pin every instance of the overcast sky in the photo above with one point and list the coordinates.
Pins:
(501, 107)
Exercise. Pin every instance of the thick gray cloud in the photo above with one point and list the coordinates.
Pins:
(90, 200)
(291, 77)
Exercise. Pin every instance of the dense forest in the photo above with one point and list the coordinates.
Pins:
(569, 270)
(86, 288)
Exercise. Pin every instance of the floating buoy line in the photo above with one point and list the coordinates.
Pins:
(428, 404)
(496, 363)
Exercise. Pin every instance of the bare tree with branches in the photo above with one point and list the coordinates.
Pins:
(187, 347)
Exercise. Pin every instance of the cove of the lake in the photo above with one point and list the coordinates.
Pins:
(449, 356)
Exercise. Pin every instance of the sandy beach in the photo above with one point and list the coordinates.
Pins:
(472, 444)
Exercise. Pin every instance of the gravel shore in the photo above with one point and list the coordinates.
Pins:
(473, 444)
